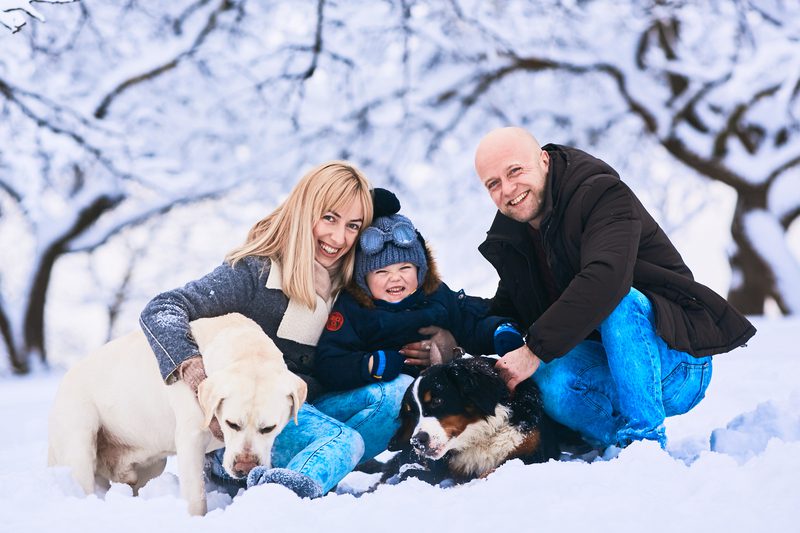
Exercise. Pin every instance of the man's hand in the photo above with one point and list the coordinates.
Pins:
(193, 372)
(517, 366)
(439, 348)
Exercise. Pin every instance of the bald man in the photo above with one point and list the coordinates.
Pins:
(619, 335)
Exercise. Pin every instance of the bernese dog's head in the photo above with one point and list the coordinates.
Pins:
(446, 400)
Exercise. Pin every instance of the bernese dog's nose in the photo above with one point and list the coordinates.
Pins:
(421, 440)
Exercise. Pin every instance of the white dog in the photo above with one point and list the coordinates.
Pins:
(114, 418)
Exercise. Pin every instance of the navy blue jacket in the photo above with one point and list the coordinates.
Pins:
(355, 333)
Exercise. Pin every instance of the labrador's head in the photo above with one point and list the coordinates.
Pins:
(252, 407)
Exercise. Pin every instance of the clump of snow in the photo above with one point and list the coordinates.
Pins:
(749, 434)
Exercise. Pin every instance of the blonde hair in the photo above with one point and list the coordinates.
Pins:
(285, 235)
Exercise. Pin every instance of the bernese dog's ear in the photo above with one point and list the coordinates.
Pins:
(479, 384)
(409, 416)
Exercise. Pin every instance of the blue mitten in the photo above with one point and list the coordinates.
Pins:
(386, 365)
(301, 484)
(507, 339)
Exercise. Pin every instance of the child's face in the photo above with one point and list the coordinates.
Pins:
(394, 282)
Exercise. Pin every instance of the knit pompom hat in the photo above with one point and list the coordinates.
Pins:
(390, 239)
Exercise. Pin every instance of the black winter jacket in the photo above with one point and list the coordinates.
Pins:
(358, 327)
(599, 242)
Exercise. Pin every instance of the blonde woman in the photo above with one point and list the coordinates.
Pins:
(285, 277)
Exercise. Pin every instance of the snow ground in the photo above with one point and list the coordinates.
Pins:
(748, 483)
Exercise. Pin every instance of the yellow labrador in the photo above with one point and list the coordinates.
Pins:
(115, 419)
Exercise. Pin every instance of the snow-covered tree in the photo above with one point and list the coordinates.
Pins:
(113, 112)
(13, 12)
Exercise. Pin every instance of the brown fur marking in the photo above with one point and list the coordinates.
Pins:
(454, 425)
(529, 445)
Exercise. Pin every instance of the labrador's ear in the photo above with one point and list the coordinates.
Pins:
(210, 398)
(297, 395)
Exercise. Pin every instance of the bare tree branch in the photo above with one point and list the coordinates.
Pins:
(789, 218)
(9, 92)
(11, 191)
(211, 24)
(146, 215)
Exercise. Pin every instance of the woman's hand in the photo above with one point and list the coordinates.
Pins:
(439, 348)
(193, 372)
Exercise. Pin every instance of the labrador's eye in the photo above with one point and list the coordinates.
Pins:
(235, 427)
(436, 402)
(266, 430)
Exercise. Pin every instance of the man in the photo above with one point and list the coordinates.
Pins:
(619, 335)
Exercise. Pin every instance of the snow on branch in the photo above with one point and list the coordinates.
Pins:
(12, 12)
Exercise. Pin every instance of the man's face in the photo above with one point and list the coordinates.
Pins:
(514, 171)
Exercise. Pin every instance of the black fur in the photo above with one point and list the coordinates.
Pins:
(468, 386)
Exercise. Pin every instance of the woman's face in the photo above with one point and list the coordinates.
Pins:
(335, 232)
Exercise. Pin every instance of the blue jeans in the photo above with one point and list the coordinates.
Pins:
(373, 411)
(622, 389)
(333, 435)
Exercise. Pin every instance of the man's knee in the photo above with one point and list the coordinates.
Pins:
(557, 384)
(633, 307)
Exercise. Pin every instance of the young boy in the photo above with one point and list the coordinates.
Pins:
(397, 291)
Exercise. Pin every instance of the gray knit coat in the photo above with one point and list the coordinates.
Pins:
(252, 288)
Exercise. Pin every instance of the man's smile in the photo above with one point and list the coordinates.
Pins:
(518, 199)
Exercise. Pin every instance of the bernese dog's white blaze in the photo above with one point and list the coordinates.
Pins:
(428, 437)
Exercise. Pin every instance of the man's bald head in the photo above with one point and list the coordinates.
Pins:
(504, 139)
(513, 168)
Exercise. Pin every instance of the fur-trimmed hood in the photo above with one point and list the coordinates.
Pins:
(429, 284)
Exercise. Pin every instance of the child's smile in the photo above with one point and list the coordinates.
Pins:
(393, 283)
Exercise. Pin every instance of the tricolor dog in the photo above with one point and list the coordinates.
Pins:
(114, 419)
(462, 423)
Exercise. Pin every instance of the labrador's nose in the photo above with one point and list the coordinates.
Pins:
(244, 463)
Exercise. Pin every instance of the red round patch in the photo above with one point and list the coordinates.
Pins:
(335, 321)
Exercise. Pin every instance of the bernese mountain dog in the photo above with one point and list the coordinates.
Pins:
(460, 422)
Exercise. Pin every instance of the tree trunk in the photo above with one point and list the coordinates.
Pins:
(34, 329)
(17, 365)
(753, 281)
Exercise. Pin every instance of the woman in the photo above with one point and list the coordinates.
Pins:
(285, 277)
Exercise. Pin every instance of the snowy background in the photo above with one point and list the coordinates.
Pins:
(140, 140)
